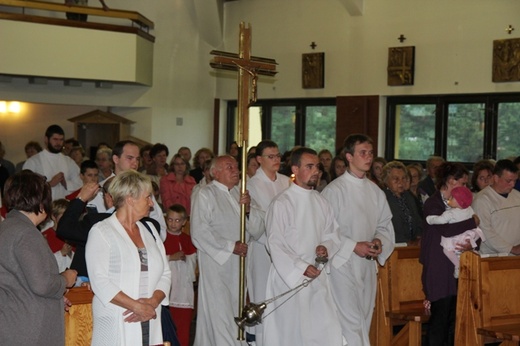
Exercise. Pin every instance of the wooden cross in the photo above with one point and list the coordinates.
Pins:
(248, 67)
(510, 29)
(401, 38)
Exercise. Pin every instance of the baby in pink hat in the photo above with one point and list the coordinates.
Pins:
(459, 209)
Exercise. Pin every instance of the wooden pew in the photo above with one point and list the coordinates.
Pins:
(488, 303)
(399, 300)
(78, 321)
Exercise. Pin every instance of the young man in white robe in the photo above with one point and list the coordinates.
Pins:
(263, 187)
(366, 232)
(300, 226)
(61, 171)
(215, 231)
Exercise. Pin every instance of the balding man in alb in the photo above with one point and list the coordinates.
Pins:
(215, 231)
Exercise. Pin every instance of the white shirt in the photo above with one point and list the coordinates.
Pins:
(49, 164)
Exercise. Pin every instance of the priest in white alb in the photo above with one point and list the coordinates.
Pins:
(61, 171)
(300, 226)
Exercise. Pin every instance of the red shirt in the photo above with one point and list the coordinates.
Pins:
(55, 243)
(176, 243)
(173, 192)
(73, 195)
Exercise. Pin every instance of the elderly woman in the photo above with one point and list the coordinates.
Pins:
(176, 187)
(406, 217)
(31, 288)
(127, 267)
(439, 285)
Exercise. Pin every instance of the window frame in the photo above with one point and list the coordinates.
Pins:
(491, 103)
(266, 119)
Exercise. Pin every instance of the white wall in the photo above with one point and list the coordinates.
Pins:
(453, 41)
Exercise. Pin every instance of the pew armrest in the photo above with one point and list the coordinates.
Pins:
(415, 315)
(504, 332)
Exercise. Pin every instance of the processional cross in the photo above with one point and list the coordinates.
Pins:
(248, 67)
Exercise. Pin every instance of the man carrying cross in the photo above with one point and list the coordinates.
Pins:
(214, 231)
(300, 226)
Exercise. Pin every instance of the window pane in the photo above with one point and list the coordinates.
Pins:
(414, 131)
(320, 128)
(465, 132)
(508, 139)
(255, 126)
(283, 127)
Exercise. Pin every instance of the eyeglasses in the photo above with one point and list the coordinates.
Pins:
(273, 156)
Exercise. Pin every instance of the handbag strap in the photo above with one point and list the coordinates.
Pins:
(145, 224)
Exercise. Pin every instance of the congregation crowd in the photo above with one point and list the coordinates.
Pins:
(144, 231)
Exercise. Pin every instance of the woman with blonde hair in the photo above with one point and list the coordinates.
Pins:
(128, 269)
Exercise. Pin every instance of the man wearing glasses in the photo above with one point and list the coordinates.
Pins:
(263, 187)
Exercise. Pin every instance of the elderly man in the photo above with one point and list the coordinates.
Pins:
(61, 171)
(263, 187)
(301, 227)
(366, 232)
(215, 230)
(498, 207)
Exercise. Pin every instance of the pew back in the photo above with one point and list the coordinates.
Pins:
(78, 321)
(399, 300)
(404, 280)
(487, 296)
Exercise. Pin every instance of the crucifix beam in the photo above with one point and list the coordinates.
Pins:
(232, 61)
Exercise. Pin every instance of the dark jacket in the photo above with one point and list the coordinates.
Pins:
(401, 228)
(437, 276)
(75, 230)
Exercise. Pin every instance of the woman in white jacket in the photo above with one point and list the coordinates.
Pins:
(127, 268)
